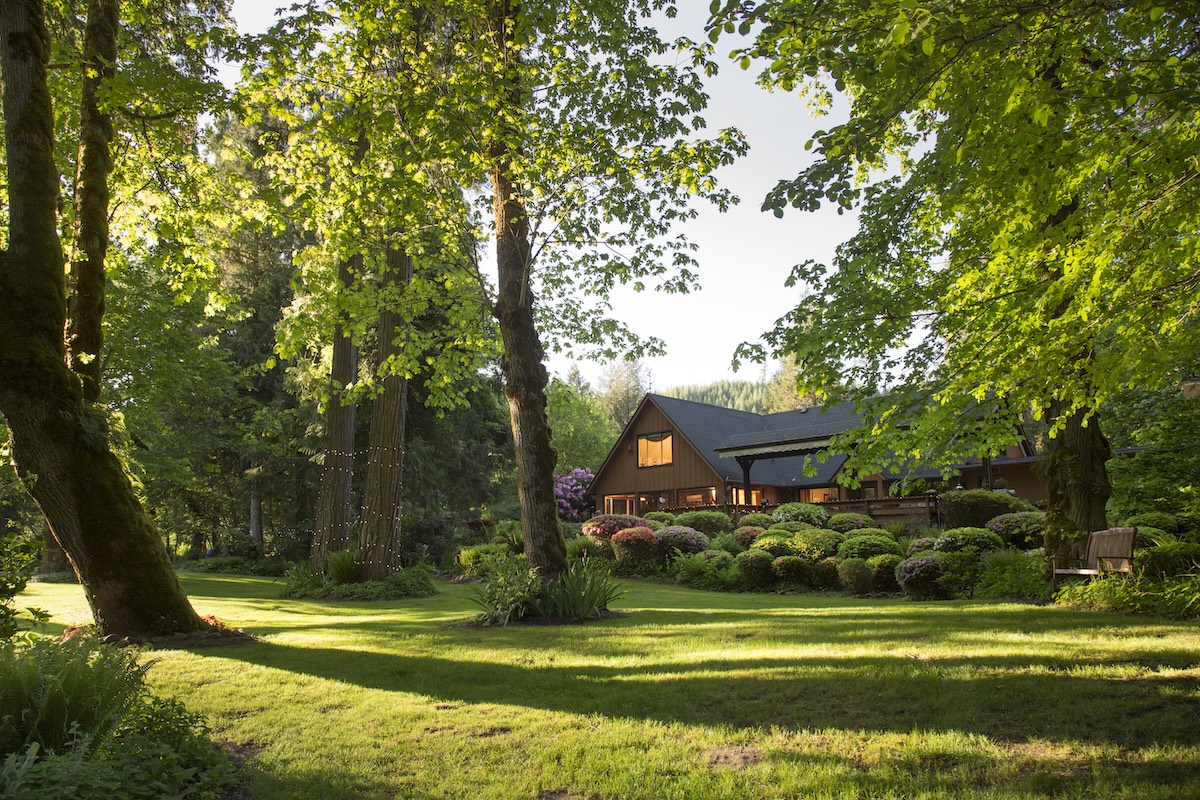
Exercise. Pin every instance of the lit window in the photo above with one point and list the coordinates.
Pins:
(619, 504)
(654, 449)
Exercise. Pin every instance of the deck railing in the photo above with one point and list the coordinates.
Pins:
(911, 512)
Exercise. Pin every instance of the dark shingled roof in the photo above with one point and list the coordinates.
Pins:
(709, 428)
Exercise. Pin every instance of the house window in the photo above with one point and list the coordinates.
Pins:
(655, 501)
(654, 449)
(739, 496)
(704, 496)
(620, 504)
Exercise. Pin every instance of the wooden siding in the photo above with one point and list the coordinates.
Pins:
(622, 475)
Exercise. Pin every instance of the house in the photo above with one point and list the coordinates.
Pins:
(678, 453)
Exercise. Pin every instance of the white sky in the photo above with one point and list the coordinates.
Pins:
(744, 255)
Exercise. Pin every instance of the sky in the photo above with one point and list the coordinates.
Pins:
(744, 255)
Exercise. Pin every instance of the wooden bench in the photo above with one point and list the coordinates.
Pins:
(1107, 551)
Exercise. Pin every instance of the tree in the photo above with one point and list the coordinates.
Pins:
(583, 431)
(57, 436)
(1026, 183)
(622, 388)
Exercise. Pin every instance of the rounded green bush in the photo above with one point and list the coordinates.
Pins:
(866, 545)
(975, 507)
(709, 523)
(601, 528)
(635, 544)
(746, 535)
(755, 566)
(791, 569)
(1169, 560)
(726, 542)
(778, 544)
(756, 520)
(818, 543)
(846, 522)
(919, 545)
(719, 559)
(825, 573)
(791, 527)
(801, 512)
(883, 569)
(665, 517)
(1023, 530)
(855, 576)
(681, 538)
(1156, 519)
(920, 576)
(957, 539)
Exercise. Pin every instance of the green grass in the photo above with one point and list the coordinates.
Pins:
(835, 698)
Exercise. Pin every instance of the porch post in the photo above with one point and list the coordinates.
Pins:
(745, 462)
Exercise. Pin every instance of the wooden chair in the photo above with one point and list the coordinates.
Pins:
(1107, 551)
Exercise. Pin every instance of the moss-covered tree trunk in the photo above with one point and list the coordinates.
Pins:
(332, 530)
(59, 443)
(1076, 480)
(525, 376)
(379, 538)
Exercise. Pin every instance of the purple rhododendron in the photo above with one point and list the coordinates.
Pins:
(570, 493)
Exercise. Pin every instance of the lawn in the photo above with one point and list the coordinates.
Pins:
(689, 695)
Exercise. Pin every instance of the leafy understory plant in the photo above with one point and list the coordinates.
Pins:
(514, 591)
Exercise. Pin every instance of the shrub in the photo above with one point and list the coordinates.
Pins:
(792, 570)
(844, 523)
(707, 522)
(919, 576)
(341, 566)
(683, 539)
(507, 593)
(825, 573)
(1178, 598)
(755, 520)
(570, 494)
(726, 542)
(874, 532)
(1013, 575)
(883, 571)
(958, 539)
(581, 592)
(1169, 560)
(746, 535)
(509, 534)
(1148, 536)
(655, 525)
(960, 571)
(570, 530)
(412, 582)
(584, 549)
(777, 543)
(712, 570)
(801, 512)
(665, 517)
(866, 545)
(792, 527)
(755, 567)
(918, 546)
(239, 544)
(855, 576)
(1023, 529)
(301, 580)
(473, 561)
(600, 529)
(635, 544)
(975, 507)
(1156, 519)
(818, 543)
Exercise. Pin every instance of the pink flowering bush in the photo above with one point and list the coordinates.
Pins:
(635, 544)
(600, 529)
(570, 493)
(685, 540)
(746, 535)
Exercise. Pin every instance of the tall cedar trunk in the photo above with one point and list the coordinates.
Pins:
(85, 329)
(58, 443)
(379, 537)
(332, 531)
(1076, 480)
(256, 520)
(525, 376)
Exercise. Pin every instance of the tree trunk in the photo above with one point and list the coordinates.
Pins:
(379, 538)
(1076, 480)
(525, 376)
(85, 317)
(53, 558)
(59, 445)
(256, 522)
(332, 531)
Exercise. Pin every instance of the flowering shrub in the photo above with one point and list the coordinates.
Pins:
(866, 545)
(855, 576)
(635, 544)
(953, 541)
(755, 520)
(918, 577)
(919, 545)
(707, 522)
(570, 493)
(746, 535)
(600, 529)
(883, 569)
(791, 569)
(844, 523)
(683, 539)
(755, 566)
(818, 543)
(1022, 529)
(801, 512)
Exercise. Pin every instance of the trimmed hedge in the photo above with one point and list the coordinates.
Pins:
(709, 523)
(846, 522)
(883, 569)
(958, 539)
(855, 576)
(791, 569)
(818, 543)
(756, 520)
(1023, 530)
(974, 508)
(755, 566)
(867, 545)
(635, 544)
(801, 512)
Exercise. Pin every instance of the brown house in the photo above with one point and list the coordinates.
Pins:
(678, 453)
